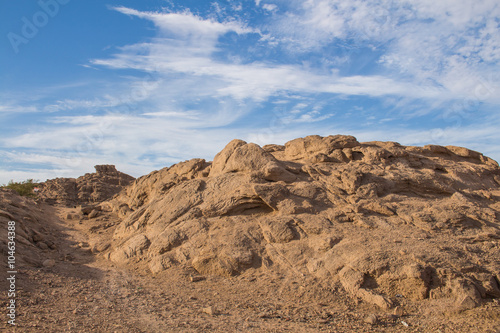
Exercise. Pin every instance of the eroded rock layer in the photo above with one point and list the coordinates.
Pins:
(381, 219)
(90, 188)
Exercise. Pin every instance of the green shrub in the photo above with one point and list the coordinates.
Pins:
(24, 188)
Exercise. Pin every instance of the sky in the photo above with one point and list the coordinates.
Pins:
(146, 84)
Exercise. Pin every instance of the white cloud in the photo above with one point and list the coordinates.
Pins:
(183, 53)
(188, 26)
(6, 175)
(195, 115)
(13, 108)
(153, 141)
(449, 44)
(270, 7)
(42, 164)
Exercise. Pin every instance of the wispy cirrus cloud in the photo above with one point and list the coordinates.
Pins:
(182, 52)
(13, 108)
(448, 44)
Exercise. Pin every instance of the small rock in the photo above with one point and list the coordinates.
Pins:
(467, 303)
(210, 311)
(93, 214)
(51, 244)
(88, 209)
(371, 319)
(405, 324)
(263, 315)
(196, 278)
(398, 311)
(37, 237)
(49, 263)
(42, 245)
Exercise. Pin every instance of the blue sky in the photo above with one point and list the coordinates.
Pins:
(145, 84)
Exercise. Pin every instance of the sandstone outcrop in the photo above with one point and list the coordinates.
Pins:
(382, 220)
(90, 188)
(32, 237)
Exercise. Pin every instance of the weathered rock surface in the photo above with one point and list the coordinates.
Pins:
(90, 188)
(413, 232)
(380, 219)
(32, 238)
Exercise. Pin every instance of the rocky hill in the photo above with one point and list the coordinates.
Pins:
(382, 219)
(399, 229)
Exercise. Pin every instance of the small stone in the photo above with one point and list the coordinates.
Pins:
(398, 311)
(89, 209)
(263, 315)
(93, 214)
(196, 278)
(37, 237)
(49, 263)
(210, 311)
(51, 244)
(467, 303)
(42, 245)
(371, 319)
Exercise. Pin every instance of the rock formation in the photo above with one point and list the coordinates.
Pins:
(32, 235)
(380, 219)
(90, 188)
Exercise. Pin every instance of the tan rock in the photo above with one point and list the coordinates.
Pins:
(371, 319)
(87, 189)
(211, 311)
(93, 214)
(368, 215)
